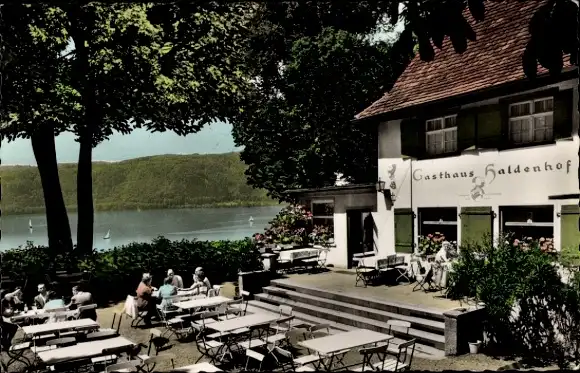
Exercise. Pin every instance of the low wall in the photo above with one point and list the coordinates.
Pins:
(463, 325)
(253, 282)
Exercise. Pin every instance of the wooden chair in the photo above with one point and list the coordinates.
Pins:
(150, 363)
(402, 329)
(368, 353)
(402, 361)
(250, 354)
(364, 274)
(207, 348)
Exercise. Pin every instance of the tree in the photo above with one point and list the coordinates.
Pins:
(305, 132)
(162, 67)
(36, 103)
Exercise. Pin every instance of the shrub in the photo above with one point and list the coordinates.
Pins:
(530, 311)
(117, 272)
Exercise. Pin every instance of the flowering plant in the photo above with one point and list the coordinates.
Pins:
(321, 234)
(431, 243)
(292, 225)
(545, 244)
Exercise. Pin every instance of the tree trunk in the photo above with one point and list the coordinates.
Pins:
(85, 207)
(57, 223)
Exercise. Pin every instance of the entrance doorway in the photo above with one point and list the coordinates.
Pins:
(360, 228)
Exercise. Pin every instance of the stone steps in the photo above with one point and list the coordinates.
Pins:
(437, 327)
(416, 311)
(421, 350)
(424, 337)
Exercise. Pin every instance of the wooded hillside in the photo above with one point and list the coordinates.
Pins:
(151, 182)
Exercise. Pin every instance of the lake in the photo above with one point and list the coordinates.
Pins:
(141, 226)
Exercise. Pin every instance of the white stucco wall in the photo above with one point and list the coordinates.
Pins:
(525, 176)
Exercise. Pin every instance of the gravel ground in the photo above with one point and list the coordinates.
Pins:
(186, 352)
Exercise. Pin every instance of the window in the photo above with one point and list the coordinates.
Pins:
(441, 135)
(438, 220)
(528, 221)
(531, 121)
(323, 213)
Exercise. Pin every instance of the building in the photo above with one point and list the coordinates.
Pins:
(467, 146)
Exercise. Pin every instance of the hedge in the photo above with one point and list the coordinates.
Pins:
(116, 272)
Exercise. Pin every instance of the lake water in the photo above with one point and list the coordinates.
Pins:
(141, 226)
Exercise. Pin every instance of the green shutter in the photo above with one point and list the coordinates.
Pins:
(412, 137)
(489, 126)
(476, 224)
(570, 236)
(465, 129)
(563, 101)
(404, 223)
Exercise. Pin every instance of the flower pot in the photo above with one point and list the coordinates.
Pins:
(474, 347)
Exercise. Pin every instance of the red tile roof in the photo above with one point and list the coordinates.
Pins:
(494, 58)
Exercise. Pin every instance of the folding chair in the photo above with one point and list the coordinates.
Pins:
(150, 363)
(286, 361)
(210, 349)
(426, 283)
(403, 360)
(402, 329)
(368, 353)
(16, 354)
(127, 366)
(108, 332)
(256, 356)
(262, 331)
(364, 274)
(174, 325)
(405, 271)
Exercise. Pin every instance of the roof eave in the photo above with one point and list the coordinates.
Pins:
(478, 95)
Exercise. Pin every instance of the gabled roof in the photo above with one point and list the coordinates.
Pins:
(493, 59)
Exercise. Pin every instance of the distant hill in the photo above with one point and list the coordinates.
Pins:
(166, 181)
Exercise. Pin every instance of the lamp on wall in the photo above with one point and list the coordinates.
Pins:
(380, 186)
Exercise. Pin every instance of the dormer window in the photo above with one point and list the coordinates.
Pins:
(532, 121)
(441, 135)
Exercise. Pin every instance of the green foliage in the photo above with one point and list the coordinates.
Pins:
(530, 311)
(117, 272)
(150, 182)
(570, 257)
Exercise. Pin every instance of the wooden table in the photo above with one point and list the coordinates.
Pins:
(81, 324)
(329, 345)
(195, 368)
(243, 322)
(82, 350)
(295, 254)
(202, 302)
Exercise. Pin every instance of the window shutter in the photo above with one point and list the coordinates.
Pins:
(411, 135)
(466, 129)
(563, 101)
(476, 224)
(569, 234)
(404, 223)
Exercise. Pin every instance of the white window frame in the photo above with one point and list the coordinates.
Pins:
(322, 202)
(442, 131)
(531, 117)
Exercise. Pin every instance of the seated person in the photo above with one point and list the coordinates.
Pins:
(167, 291)
(176, 280)
(82, 298)
(7, 329)
(13, 300)
(145, 301)
(42, 297)
(54, 301)
(201, 284)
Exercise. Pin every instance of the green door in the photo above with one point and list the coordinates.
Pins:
(404, 223)
(570, 236)
(476, 225)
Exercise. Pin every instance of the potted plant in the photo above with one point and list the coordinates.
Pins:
(430, 244)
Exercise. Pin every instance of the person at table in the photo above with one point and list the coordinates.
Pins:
(176, 280)
(82, 298)
(54, 301)
(145, 301)
(7, 329)
(166, 292)
(201, 283)
(42, 297)
(13, 300)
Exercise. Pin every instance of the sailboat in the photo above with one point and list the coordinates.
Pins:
(251, 219)
(30, 225)
(108, 235)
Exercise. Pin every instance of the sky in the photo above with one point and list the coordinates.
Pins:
(214, 138)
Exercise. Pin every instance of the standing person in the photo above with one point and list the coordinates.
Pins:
(176, 280)
(42, 297)
(145, 301)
